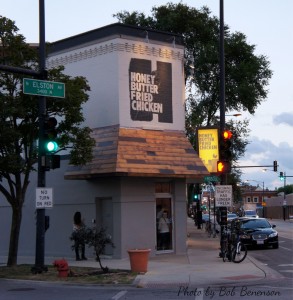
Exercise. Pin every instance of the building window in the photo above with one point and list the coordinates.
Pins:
(255, 199)
(248, 199)
(163, 187)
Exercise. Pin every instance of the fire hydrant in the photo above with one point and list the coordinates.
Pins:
(62, 267)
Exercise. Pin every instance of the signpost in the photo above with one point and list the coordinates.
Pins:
(43, 88)
(208, 179)
(223, 195)
(44, 198)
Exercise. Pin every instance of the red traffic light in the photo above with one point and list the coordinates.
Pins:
(227, 134)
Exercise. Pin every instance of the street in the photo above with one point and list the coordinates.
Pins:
(280, 260)
(29, 290)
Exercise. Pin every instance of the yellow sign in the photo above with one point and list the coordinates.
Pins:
(208, 147)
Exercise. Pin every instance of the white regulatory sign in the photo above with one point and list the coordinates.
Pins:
(44, 198)
(223, 195)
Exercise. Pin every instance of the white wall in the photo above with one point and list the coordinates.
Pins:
(106, 66)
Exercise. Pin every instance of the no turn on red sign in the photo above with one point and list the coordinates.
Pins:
(223, 195)
(44, 198)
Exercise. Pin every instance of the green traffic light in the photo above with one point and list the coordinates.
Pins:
(51, 146)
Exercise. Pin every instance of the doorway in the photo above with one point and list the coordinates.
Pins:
(164, 225)
(104, 214)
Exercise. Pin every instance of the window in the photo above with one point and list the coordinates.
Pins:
(163, 187)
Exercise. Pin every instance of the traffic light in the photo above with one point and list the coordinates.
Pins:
(50, 135)
(275, 166)
(196, 192)
(281, 176)
(52, 161)
(225, 153)
(225, 145)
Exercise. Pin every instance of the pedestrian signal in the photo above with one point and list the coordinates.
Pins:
(223, 166)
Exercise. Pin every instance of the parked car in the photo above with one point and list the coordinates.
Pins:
(250, 214)
(256, 232)
(205, 218)
(231, 216)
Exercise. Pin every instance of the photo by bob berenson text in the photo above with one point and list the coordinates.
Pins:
(226, 292)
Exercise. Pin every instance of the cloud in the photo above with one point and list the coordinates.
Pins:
(260, 154)
(284, 118)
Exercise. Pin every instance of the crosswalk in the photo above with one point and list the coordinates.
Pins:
(285, 268)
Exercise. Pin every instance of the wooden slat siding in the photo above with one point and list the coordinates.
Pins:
(139, 152)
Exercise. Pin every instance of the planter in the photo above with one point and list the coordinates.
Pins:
(139, 260)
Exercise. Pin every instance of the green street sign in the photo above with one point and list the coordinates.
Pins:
(211, 179)
(43, 88)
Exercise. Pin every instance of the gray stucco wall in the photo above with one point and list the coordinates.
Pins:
(133, 213)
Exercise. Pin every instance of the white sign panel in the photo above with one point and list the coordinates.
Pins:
(223, 195)
(44, 198)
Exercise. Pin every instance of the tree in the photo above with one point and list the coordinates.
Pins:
(19, 124)
(93, 237)
(288, 189)
(247, 75)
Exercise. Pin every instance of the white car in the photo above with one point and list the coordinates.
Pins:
(250, 214)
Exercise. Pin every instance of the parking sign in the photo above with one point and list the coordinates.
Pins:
(223, 195)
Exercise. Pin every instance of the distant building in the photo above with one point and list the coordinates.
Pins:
(254, 197)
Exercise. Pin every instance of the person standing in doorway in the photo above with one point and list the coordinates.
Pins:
(164, 229)
(79, 245)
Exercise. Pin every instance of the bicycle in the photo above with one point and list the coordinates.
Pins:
(232, 248)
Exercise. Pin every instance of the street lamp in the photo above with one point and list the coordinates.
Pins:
(234, 115)
(263, 193)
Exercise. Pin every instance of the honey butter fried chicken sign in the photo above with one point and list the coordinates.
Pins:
(150, 90)
(223, 195)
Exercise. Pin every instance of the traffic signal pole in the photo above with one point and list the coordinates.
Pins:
(40, 224)
(222, 94)
(222, 68)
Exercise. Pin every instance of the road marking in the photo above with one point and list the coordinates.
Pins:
(119, 295)
(285, 248)
(286, 271)
(286, 265)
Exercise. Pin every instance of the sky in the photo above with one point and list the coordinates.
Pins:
(267, 24)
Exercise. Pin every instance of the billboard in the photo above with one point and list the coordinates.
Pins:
(208, 147)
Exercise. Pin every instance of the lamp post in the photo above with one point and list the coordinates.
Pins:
(234, 115)
(263, 193)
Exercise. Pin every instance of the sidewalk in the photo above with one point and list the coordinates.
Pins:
(200, 266)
